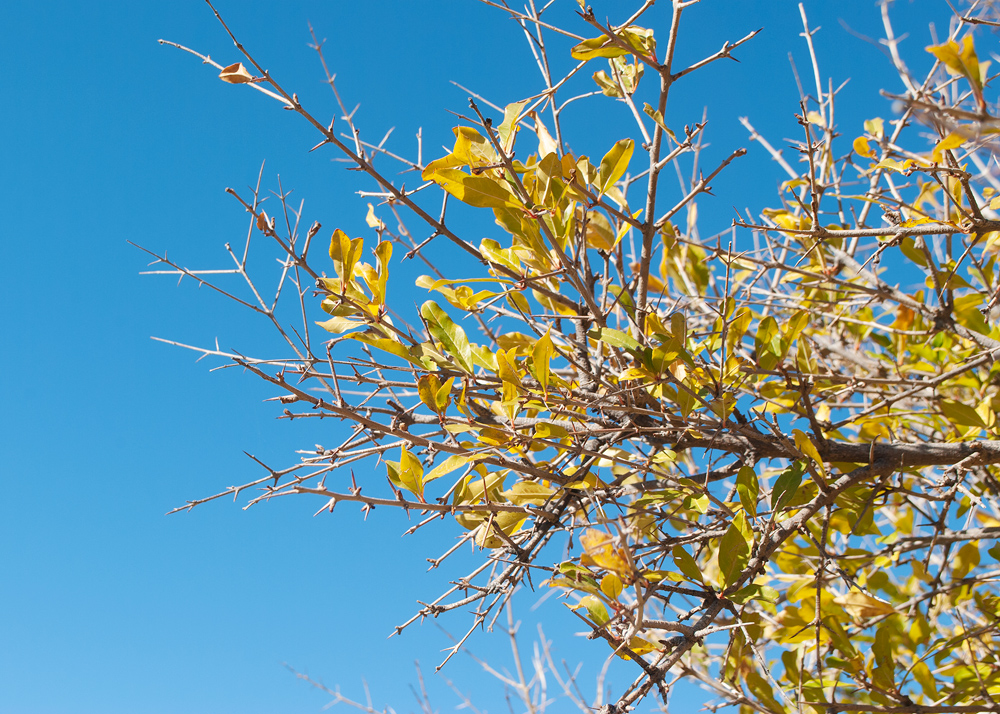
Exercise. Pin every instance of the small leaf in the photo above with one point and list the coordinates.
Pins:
(960, 60)
(614, 164)
(427, 389)
(861, 148)
(804, 444)
(786, 485)
(875, 127)
(507, 131)
(546, 144)
(748, 488)
(453, 462)
(340, 325)
(952, 141)
(686, 564)
(734, 549)
(525, 493)
(407, 473)
(541, 355)
(611, 585)
(236, 74)
(595, 609)
(445, 331)
(616, 338)
(600, 551)
(372, 220)
(657, 117)
(345, 254)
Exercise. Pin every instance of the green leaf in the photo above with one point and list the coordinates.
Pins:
(883, 673)
(755, 592)
(686, 564)
(595, 610)
(614, 164)
(734, 549)
(768, 343)
(615, 338)
(748, 488)
(452, 336)
(657, 117)
(961, 414)
(908, 246)
(786, 485)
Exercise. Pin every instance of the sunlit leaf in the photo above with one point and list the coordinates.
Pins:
(862, 148)
(614, 164)
(479, 191)
(236, 74)
(863, 606)
(445, 331)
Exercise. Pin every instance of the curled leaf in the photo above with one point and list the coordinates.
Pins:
(236, 74)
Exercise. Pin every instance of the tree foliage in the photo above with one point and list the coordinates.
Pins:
(762, 460)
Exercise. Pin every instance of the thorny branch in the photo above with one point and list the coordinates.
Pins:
(753, 459)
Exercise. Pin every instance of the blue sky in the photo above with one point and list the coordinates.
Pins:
(106, 604)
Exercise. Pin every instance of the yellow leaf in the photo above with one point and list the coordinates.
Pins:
(546, 144)
(478, 191)
(372, 220)
(541, 355)
(657, 116)
(875, 127)
(427, 389)
(959, 59)
(614, 164)
(861, 148)
(509, 522)
(862, 606)
(599, 550)
(236, 74)
(640, 646)
(804, 444)
(952, 141)
(815, 117)
(611, 585)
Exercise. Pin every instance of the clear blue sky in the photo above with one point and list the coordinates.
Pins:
(106, 604)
